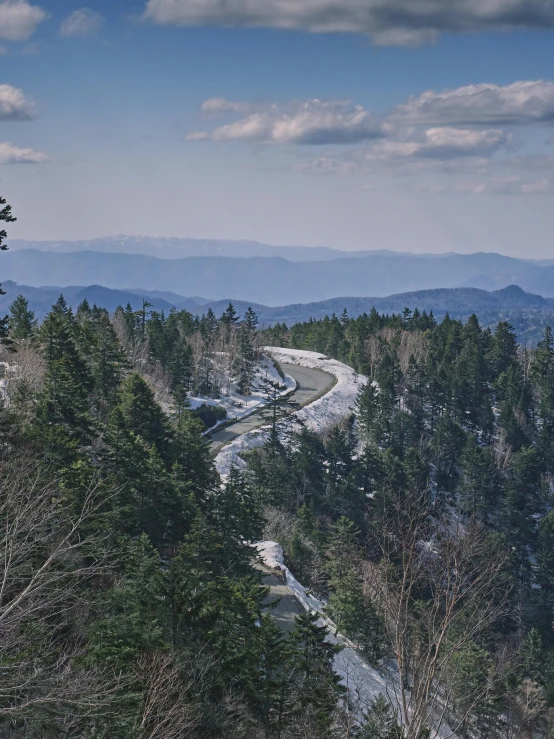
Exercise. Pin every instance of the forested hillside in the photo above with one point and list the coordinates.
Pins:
(129, 604)
(449, 525)
(130, 601)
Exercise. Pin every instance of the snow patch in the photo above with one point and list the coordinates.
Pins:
(363, 682)
(271, 554)
(239, 406)
(320, 415)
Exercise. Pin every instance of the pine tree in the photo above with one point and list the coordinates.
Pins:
(107, 360)
(63, 417)
(6, 216)
(142, 414)
(250, 320)
(276, 408)
(315, 686)
(235, 514)
(367, 411)
(230, 316)
(352, 612)
(543, 373)
(524, 499)
(244, 365)
(482, 485)
(22, 320)
(379, 722)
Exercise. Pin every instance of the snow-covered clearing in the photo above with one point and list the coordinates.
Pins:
(318, 416)
(239, 406)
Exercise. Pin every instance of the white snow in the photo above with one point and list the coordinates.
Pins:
(239, 406)
(271, 554)
(339, 402)
(319, 415)
(363, 681)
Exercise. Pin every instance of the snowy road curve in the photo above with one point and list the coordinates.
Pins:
(318, 415)
(311, 383)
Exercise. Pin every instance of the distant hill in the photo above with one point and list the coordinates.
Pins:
(458, 302)
(41, 299)
(276, 281)
(177, 248)
(529, 313)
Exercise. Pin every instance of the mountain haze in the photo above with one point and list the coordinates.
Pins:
(276, 281)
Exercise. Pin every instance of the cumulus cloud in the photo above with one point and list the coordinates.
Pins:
(19, 20)
(483, 104)
(10, 154)
(305, 122)
(388, 22)
(14, 106)
(83, 22)
(443, 143)
(446, 150)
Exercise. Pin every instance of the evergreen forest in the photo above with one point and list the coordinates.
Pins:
(131, 603)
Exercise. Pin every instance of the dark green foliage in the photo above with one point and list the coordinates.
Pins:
(461, 421)
(22, 320)
(6, 216)
(141, 414)
(210, 414)
(379, 722)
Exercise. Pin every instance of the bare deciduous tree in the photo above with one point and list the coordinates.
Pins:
(439, 585)
(46, 557)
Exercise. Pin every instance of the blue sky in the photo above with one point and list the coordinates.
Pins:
(407, 124)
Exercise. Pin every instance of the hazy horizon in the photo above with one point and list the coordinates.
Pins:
(401, 250)
(423, 129)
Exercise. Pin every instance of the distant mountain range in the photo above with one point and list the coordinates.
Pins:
(276, 281)
(177, 248)
(529, 313)
(458, 302)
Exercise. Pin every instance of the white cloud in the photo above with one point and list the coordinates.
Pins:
(528, 163)
(304, 122)
(14, 106)
(220, 106)
(388, 22)
(83, 22)
(443, 143)
(441, 151)
(19, 20)
(483, 104)
(10, 154)
(447, 150)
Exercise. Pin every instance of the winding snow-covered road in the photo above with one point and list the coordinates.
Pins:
(310, 384)
(324, 407)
